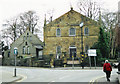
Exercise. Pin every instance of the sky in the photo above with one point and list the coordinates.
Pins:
(11, 8)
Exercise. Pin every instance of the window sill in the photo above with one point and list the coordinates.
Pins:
(72, 35)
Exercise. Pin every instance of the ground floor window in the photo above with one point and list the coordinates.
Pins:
(23, 49)
(72, 50)
(40, 54)
(58, 52)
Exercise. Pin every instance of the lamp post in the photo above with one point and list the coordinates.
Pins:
(15, 53)
(81, 26)
(73, 59)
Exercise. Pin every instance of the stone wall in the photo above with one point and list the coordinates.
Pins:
(69, 20)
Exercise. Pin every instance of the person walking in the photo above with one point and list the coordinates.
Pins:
(107, 69)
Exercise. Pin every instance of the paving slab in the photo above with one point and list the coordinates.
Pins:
(103, 80)
(8, 77)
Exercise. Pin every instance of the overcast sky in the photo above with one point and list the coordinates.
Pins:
(11, 8)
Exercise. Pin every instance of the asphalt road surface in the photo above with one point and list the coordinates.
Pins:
(34, 74)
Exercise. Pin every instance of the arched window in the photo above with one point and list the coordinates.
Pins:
(27, 34)
(58, 52)
(28, 50)
(72, 32)
(86, 31)
(58, 32)
(23, 49)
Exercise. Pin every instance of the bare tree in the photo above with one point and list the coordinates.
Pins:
(109, 21)
(29, 19)
(89, 8)
(15, 27)
(10, 30)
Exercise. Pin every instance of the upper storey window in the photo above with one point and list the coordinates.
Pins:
(58, 32)
(72, 32)
(86, 31)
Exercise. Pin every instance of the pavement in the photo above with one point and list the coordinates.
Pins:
(103, 80)
(118, 76)
(78, 68)
(9, 77)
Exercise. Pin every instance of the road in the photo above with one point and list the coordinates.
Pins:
(34, 74)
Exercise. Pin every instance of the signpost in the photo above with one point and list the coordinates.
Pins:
(92, 52)
(15, 53)
(73, 60)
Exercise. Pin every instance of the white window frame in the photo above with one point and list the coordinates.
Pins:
(75, 32)
(40, 56)
(56, 32)
(58, 55)
(24, 49)
(85, 31)
(28, 50)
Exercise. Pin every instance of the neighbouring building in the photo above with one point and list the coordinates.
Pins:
(62, 37)
(29, 46)
(0, 56)
(0, 50)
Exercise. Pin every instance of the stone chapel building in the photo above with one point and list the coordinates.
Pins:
(62, 36)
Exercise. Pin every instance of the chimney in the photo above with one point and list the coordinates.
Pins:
(50, 18)
(71, 8)
(45, 21)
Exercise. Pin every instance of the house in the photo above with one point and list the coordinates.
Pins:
(0, 56)
(62, 37)
(29, 46)
(0, 51)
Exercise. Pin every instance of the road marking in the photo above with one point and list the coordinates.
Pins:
(64, 77)
(51, 82)
(24, 77)
(92, 81)
(19, 80)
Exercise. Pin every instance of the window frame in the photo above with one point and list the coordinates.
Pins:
(57, 32)
(28, 49)
(86, 32)
(58, 57)
(24, 49)
(70, 30)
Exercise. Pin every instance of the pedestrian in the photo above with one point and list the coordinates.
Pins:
(107, 69)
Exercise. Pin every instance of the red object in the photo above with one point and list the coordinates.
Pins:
(107, 66)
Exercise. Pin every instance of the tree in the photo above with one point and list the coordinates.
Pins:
(15, 27)
(103, 43)
(109, 21)
(28, 19)
(10, 31)
(89, 9)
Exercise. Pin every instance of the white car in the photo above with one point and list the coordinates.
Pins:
(115, 65)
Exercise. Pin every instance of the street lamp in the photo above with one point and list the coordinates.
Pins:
(81, 26)
(15, 53)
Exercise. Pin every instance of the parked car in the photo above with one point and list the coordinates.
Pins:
(115, 65)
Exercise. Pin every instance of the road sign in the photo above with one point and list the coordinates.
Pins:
(92, 52)
(15, 50)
